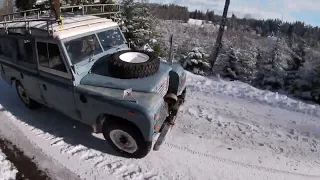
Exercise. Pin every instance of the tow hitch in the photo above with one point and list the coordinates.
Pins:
(168, 124)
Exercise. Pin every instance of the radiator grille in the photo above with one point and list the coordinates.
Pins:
(163, 87)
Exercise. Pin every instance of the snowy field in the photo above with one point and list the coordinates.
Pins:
(7, 169)
(226, 130)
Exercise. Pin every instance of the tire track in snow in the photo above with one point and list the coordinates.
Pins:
(125, 169)
(228, 161)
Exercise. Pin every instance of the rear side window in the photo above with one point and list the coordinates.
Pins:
(25, 51)
(7, 48)
(50, 57)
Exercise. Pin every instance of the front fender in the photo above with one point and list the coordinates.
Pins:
(110, 101)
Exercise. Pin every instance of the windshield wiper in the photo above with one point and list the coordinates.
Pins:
(112, 46)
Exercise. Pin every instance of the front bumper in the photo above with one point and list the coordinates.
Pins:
(170, 121)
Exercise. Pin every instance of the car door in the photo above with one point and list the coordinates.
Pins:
(55, 79)
(24, 48)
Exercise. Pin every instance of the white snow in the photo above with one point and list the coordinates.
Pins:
(7, 169)
(195, 22)
(226, 130)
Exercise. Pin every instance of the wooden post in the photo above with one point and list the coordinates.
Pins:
(218, 44)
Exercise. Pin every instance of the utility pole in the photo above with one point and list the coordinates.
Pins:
(218, 44)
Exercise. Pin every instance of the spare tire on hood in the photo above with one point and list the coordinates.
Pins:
(130, 64)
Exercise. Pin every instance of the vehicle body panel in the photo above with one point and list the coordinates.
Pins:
(86, 91)
(147, 84)
(110, 101)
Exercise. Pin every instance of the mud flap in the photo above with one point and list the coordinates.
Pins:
(169, 123)
(162, 137)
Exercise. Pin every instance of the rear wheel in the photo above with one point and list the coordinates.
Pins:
(26, 100)
(126, 139)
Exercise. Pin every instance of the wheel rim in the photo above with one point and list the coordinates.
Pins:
(134, 57)
(123, 141)
(23, 94)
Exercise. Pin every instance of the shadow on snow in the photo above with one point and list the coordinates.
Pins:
(52, 122)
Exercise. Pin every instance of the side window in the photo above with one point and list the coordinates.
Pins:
(25, 51)
(6, 48)
(50, 57)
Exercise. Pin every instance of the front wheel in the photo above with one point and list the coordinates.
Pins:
(126, 139)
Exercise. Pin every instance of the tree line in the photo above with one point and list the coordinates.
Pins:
(269, 27)
(169, 11)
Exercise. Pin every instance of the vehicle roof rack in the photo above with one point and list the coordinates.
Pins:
(46, 15)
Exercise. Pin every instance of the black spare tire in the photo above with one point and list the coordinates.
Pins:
(130, 64)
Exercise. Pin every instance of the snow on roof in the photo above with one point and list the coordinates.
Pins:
(72, 25)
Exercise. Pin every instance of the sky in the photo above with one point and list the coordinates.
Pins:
(307, 11)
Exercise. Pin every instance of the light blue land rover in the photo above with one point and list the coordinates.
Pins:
(85, 70)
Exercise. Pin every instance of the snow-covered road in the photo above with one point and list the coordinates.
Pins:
(226, 130)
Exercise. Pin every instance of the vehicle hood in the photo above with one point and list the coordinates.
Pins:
(147, 84)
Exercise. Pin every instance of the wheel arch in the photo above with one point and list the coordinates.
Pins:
(109, 118)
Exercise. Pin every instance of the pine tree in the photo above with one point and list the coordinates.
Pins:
(136, 23)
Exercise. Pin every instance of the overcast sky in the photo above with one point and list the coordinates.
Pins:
(307, 11)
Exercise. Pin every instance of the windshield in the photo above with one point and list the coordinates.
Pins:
(111, 38)
(85, 47)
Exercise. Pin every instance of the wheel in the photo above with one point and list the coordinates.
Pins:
(126, 139)
(133, 64)
(26, 100)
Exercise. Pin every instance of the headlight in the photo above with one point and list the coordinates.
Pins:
(156, 117)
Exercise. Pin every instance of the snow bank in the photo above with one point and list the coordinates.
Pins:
(195, 22)
(7, 169)
(242, 90)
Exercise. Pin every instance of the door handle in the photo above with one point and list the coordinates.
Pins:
(2, 69)
(44, 87)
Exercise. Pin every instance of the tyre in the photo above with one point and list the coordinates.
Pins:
(126, 139)
(133, 64)
(26, 100)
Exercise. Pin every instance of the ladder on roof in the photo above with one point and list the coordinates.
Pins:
(47, 15)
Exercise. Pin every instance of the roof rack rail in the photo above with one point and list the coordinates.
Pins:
(47, 16)
(94, 9)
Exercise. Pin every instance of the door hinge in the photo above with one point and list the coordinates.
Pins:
(78, 114)
(2, 70)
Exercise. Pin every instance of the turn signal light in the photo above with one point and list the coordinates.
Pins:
(131, 113)
(155, 127)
